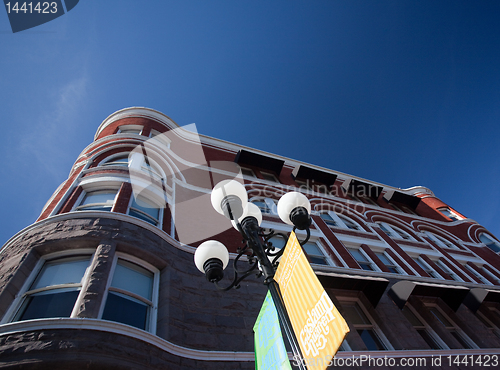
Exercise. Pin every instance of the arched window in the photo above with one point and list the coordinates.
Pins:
(394, 232)
(439, 240)
(490, 242)
(117, 160)
(337, 220)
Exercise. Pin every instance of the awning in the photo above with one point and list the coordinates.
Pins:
(372, 287)
(452, 295)
(477, 296)
(405, 199)
(360, 188)
(247, 158)
(303, 172)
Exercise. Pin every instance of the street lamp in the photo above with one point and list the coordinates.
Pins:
(230, 199)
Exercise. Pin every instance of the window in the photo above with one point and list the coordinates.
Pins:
(449, 271)
(363, 260)
(450, 214)
(130, 129)
(315, 253)
(422, 328)
(117, 160)
(442, 242)
(144, 209)
(266, 205)
(477, 274)
(427, 268)
(336, 220)
(101, 200)
(161, 138)
(130, 299)
(394, 232)
(304, 185)
(328, 219)
(247, 172)
(490, 242)
(268, 176)
(452, 328)
(389, 263)
(359, 319)
(55, 289)
(487, 322)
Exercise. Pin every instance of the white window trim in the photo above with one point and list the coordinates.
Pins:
(250, 175)
(434, 274)
(437, 239)
(130, 127)
(16, 305)
(150, 199)
(375, 327)
(87, 190)
(264, 173)
(401, 271)
(161, 137)
(445, 210)
(370, 261)
(156, 281)
(320, 246)
(478, 275)
(107, 160)
(464, 336)
(340, 222)
(270, 203)
(428, 328)
(449, 271)
(393, 231)
(493, 326)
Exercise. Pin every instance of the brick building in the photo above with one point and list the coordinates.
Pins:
(105, 277)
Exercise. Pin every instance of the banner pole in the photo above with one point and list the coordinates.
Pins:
(286, 324)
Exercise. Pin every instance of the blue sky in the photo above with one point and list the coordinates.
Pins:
(404, 93)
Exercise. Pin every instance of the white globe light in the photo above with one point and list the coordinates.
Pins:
(210, 249)
(250, 210)
(289, 202)
(227, 188)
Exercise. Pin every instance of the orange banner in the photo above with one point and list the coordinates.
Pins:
(318, 325)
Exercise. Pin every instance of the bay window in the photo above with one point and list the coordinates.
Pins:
(55, 289)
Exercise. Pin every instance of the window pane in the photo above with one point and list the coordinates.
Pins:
(371, 340)
(328, 219)
(350, 224)
(312, 248)
(126, 310)
(384, 259)
(461, 340)
(428, 339)
(145, 206)
(41, 306)
(278, 242)
(410, 316)
(134, 279)
(354, 315)
(61, 272)
(318, 260)
(441, 317)
(100, 197)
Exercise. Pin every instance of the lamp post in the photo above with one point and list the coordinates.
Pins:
(229, 198)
